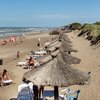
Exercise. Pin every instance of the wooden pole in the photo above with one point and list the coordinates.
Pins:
(56, 93)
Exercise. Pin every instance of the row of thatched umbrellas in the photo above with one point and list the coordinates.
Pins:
(56, 70)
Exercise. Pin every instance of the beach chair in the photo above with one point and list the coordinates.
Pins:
(25, 93)
(6, 82)
(40, 52)
(73, 96)
(69, 95)
(22, 63)
(64, 96)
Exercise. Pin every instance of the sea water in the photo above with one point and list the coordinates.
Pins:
(15, 31)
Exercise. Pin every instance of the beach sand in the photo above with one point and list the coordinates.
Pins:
(8, 53)
(88, 54)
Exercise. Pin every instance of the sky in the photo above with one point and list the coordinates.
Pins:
(47, 13)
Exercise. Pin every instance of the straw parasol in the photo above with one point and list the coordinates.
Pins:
(67, 58)
(66, 43)
(45, 60)
(56, 73)
(64, 37)
(67, 48)
(54, 47)
(53, 44)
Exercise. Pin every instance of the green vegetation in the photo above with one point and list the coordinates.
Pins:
(92, 31)
(54, 32)
(75, 26)
(97, 23)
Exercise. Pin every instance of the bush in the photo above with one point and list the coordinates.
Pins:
(92, 31)
(55, 32)
(97, 23)
(75, 26)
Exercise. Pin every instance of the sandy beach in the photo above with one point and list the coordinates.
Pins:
(8, 53)
(90, 61)
(89, 55)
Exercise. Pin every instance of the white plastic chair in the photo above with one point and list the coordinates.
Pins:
(70, 95)
(25, 92)
(64, 96)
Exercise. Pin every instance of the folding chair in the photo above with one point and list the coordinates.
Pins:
(72, 96)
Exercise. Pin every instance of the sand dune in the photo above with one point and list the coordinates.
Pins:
(90, 62)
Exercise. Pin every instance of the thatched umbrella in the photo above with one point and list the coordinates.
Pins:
(53, 44)
(60, 37)
(45, 59)
(66, 43)
(64, 37)
(56, 73)
(67, 48)
(54, 47)
(67, 58)
(55, 39)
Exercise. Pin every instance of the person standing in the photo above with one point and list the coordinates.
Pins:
(35, 91)
(41, 91)
(39, 42)
(18, 54)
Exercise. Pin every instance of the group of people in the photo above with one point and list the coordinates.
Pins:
(36, 91)
(4, 78)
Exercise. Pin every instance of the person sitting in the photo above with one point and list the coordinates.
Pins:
(4, 42)
(5, 78)
(31, 62)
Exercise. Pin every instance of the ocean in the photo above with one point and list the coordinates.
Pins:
(15, 31)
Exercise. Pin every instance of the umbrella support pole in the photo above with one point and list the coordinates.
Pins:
(56, 93)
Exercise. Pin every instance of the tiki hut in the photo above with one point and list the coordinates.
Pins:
(54, 47)
(67, 48)
(45, 59)
(64, 37)
(69, 59)
(55, 39)
(53, 44)
(66, 43)
(56, 73)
